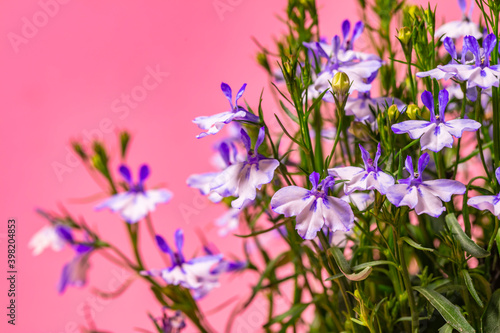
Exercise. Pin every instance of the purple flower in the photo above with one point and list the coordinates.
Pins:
(228, 154)
(464, 27)
(74, 273)
(424, 196)
(479, 73)
(438, 132)
(341, 58)
(191, 274)
(242, 179)
(136, 203)
(213, 124)
(371, 177)
(487, 202)
(172, 324)
(313, 208)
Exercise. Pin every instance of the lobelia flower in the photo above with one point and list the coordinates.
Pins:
(137, 202)
(438, 132)
(213, 124)
(487, 202)
(438, 73)
(228, 153)
(362, 200)
(48, 236)
(313, 208)
(371, 177)
(191, 274)
(242, 179)
(74, 273)
(464, 27)
(341, 58)
(424, 196)
(212, 281)
(172, 324)
(478, 73)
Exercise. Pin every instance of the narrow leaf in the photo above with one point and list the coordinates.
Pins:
(450, 312)
(467, 244)
(414, 244)
(491, 317)
(472, 289)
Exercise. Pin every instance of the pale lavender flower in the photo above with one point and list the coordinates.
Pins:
(243, 179)
(213, 124)
(137, 202)
(172, 324)
(190, 274)
(464, 27)
(487, 202)
(479, 73)
(228, 221)
(361, 200)
(371, 177)
(341, 58)
(438, 132)
(313, 208)
(426, 197)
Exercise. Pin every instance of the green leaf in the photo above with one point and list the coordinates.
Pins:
(414, 244)
(295, 310)
(467, 244)
(491, 317)
(446, 328)
(450, 312)
(345, 267)
(470, 286)
(364, 266)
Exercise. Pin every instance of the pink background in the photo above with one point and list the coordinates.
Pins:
(65, 80)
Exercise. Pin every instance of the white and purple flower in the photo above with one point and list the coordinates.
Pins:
(137, 202)
(341, 58)
(213, 124)
(243, 179)
(438, 132)
(228, 154)
(191, 274)
(313, 208)
(487, 202)
(464, 27)
(371, 177)
(74, 273)
(48, 236)
(479, 72)
(426, 197)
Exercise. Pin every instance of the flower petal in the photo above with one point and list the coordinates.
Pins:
(290, 200)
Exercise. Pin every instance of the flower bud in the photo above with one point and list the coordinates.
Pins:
(404, 35)
(393, 112)
(412, 111)
(340, 84)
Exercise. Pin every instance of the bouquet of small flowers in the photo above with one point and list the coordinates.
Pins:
(379, 178)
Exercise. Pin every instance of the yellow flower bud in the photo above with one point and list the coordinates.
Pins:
(412, 111)
(340, 84)
(404, 35)
(393, 112)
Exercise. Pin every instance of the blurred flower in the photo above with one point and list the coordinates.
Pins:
(172, 324)
(228, 154)
(136, 203)
(74, 273)
(213, 124)
(313, 208)
(190, 274)
(424, 196)
(242, 179)
(487, 202)
(464, 27)
(371, 177)
(48, 236)
(438, 132)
